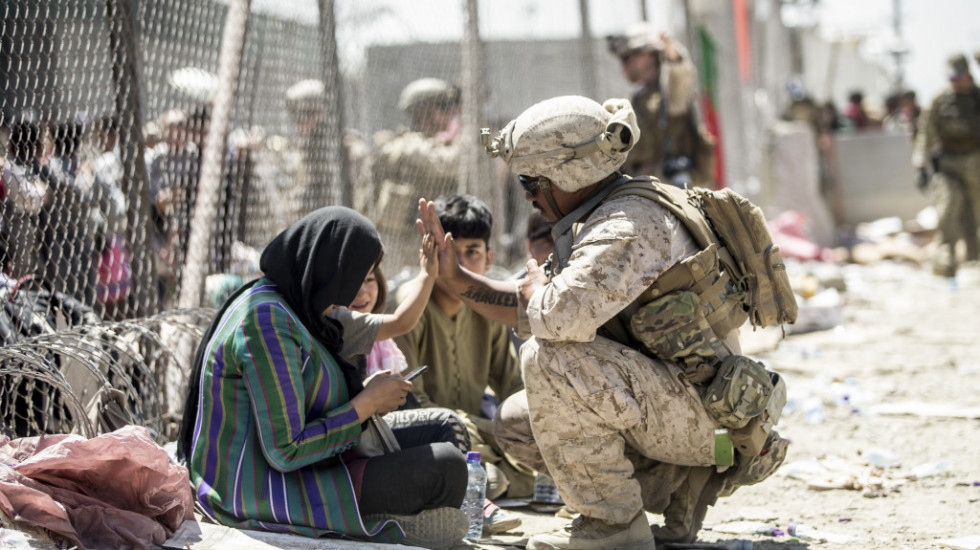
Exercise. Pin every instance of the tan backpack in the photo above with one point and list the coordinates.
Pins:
(725, 224)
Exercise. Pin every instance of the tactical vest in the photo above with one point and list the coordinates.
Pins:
(689, 310)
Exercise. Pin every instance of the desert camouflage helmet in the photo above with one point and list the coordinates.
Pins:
(640, 36)
(571, 140)
(427, 92)
(306, 95)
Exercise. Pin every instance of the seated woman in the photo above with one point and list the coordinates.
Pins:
(368, 343)
(273, 412)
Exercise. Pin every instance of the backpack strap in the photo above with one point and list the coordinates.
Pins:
(563, 230)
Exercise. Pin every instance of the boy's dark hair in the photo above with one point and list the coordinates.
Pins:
(465, 216)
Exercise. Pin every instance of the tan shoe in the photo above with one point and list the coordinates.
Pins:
(497, 482)
(585, 533)
(500, 522)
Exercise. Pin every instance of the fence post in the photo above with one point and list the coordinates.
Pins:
(587, 51)
(205, 209)
(125, 78)
(474, 166)
(335, 177)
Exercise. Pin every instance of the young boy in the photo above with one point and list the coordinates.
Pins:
(465, 352)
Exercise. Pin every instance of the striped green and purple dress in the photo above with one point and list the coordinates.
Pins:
(273, 420)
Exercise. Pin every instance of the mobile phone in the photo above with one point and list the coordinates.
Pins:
(415, 372)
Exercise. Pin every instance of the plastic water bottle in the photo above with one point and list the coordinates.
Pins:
(476, 489)
(806, 532)
(545, 490)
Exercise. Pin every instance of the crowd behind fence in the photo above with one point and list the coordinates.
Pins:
(149, 151)
(114, 112)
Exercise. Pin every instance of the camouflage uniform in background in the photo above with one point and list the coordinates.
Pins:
(411, 165)
(422, 160)
(949, 143)
(673, 140)
(291, 173)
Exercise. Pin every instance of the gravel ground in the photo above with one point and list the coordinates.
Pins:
(883, 414)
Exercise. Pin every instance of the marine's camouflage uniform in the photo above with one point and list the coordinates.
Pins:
(614, 428)
(409, 165)
(678, 134)
(952, 130)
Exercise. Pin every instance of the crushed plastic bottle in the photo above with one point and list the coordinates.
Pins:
(735, 544)
(882, 458)
(805, 532)
(746, 528)
(929, 469)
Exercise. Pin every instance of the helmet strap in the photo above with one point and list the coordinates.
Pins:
(548, 196)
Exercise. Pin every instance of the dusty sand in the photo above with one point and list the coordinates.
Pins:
(897, 383)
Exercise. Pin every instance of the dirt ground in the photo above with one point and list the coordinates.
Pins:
(883, 414)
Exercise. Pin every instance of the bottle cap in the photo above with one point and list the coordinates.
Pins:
(473, 455)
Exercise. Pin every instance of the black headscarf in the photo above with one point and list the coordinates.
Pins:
(319, 261)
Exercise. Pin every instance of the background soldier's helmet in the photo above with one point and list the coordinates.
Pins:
(306, 96)
(571, 140)
(640, 36)
(428, 92)
(957, 65)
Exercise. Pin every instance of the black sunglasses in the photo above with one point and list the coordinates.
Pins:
(531, 184)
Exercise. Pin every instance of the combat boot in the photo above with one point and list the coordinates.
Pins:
(585, 533)
(944, 261)
(688, 505)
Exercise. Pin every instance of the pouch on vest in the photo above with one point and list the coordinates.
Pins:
(740, 391)
(750, 439)
(674, 328)
(721, 304)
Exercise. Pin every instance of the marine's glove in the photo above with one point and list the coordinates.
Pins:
(922, 181)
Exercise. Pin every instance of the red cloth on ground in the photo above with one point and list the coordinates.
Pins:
(116, 490)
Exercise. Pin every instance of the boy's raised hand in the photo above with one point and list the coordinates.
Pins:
(428, 222)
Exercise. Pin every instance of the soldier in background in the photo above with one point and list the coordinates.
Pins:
(422, 160)
(947, 157)
(674, 146)
(306, 103)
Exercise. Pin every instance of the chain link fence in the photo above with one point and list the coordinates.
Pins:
(150, 150)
